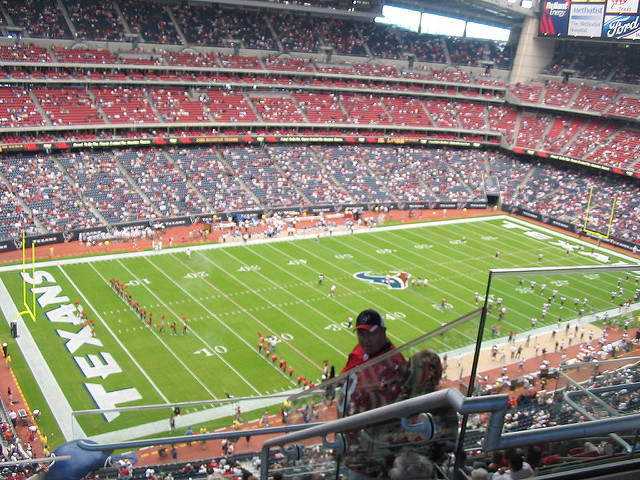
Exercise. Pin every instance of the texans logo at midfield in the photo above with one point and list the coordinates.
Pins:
(397, 280)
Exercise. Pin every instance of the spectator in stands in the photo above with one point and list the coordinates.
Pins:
(517, 469)
(479, 474)
(372, 339)
(411, 465)
(497, 461)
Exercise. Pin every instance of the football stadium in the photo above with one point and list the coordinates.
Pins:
(321, 239)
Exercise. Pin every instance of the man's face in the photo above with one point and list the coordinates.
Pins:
(371, 342)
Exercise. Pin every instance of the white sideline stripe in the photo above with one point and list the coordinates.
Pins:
(53, 394)
(187, 420)
(586, 321)
(286, 238)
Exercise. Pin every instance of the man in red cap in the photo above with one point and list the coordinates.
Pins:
(372, 339)
(380, 383)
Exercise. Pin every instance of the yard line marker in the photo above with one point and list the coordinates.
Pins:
(213, 350)
(86, 301)
(248, 312)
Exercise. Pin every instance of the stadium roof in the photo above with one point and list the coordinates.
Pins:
(499, 13)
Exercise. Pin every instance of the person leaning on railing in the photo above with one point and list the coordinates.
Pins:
(379, 384)
(389, 380)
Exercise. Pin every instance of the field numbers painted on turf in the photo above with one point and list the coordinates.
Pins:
(219, 349)
(394, 316)
(135, 283)
(274, 339)
(206, 351)
(592, 276)
(538, 235)
(438, 306)
(196, 275)
(297, 261)
(335, 328)
(560, 283)
(422, 246)
(489, 238)
(384, 251)
(343, 256)
(249, 268)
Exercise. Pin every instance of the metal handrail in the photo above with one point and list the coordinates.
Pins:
(450, 397)
(232, 436)
(495, 439)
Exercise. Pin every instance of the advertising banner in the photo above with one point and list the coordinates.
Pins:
(621, 27)
(622, 6)
(585, 20)
(555, 17)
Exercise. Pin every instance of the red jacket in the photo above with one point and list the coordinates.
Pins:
(375, 386)
(357, 356)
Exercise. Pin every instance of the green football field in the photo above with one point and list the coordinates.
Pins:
(229, 293)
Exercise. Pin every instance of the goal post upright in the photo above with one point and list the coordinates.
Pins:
(613, 210)
(29, 309)
(609, 222)
(586, 215)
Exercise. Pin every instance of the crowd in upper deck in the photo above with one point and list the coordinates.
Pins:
(248, 178)
(213, 25)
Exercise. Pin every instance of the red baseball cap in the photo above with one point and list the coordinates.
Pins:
(369, 320)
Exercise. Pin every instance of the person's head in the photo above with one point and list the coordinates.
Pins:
(480, 474)
(411, 465)
(496, 457)
(423, 373)
(515, 461)
(371, 331)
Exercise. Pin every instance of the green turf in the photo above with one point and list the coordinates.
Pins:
(229, 293)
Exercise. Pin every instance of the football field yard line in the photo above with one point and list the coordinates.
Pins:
(248, 312)
(476, 228)
(215, 316)
(96, 311)
(285, 314)
(166, 346)
(392, 268)
(438, 322)
(305, 283)
(478, 271)
(42, 373)
(193, 332)
(119, 261)
(454, 262)
(382, 290)
(349, 274)
(243, 309)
